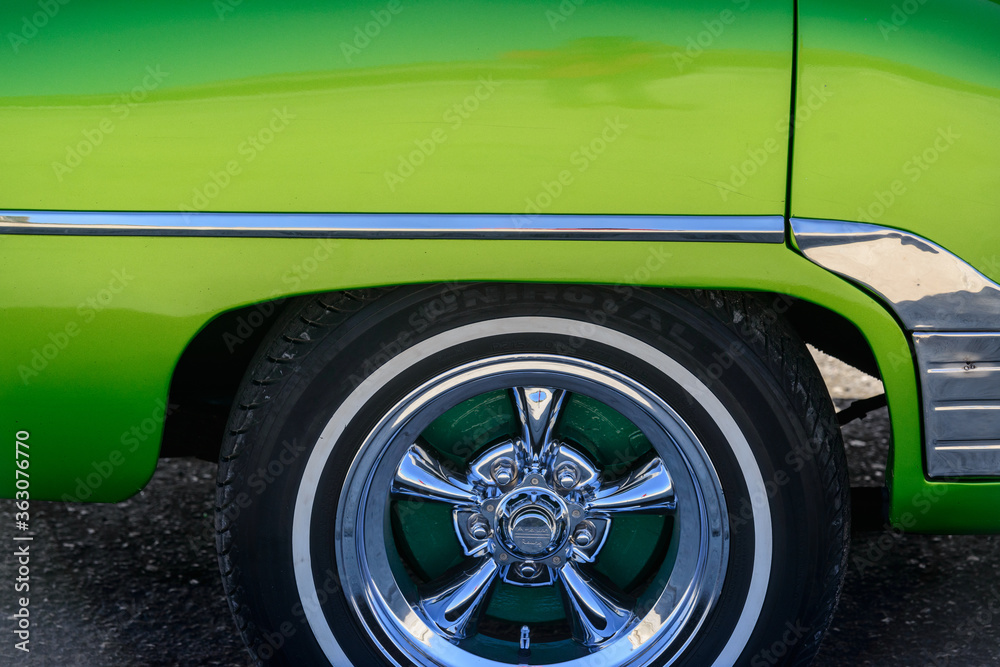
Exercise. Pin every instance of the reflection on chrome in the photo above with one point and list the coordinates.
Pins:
(543, 509)
(928, 287)
(953, 311)
(961, 400)
(711, 228)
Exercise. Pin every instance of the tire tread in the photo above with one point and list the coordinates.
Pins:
(274, 364)
(788, 359)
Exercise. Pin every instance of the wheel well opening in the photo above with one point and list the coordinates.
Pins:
(852, 378)
(212, 366)
(207, 377)
(832, 334)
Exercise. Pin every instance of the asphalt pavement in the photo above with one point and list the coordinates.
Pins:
(137, 583)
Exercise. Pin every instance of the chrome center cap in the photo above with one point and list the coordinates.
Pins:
(532, 522)
(532, 530)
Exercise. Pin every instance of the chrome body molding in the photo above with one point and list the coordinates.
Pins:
(953, 313)
(738, 229)
(929, 288)
(960, 376)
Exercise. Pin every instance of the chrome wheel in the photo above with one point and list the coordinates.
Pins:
(531, 515)
(532, 475)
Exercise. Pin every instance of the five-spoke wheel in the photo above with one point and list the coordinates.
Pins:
(531, 475)
(566, 463)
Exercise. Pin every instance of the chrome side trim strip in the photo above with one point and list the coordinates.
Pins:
(960, 377)
(731, 229)
(928, 287)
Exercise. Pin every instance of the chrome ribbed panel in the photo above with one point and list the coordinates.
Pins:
(960, 377)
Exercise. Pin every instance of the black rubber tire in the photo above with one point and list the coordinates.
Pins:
(736, 343)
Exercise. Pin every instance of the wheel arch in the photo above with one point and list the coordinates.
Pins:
(208, 373)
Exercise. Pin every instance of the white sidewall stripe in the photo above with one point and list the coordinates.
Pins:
(320, 454)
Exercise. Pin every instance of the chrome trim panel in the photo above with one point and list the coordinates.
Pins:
(953, 312)
(928, 287)
(732, 229)
(960, 376)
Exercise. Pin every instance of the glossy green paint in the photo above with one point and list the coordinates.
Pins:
(904, 124)
(104, 320)
(615, 107)
(95, 407)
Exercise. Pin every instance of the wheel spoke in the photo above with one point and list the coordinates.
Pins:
(422, 476)
(647, 489)
(464, 522)
(586, 477)
(590, 538)
(454, 605)
(507, 458)
(538, 410)
(598, 614)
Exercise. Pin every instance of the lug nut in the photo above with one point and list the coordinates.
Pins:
(479, 528)
(584, 534)
(504, 471)
(528, 569)
(567, 476)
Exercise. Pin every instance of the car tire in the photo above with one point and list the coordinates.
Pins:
(532, 474)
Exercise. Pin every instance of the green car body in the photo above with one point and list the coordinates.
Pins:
(520, 109)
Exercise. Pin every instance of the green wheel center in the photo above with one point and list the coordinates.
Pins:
(425, 536)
